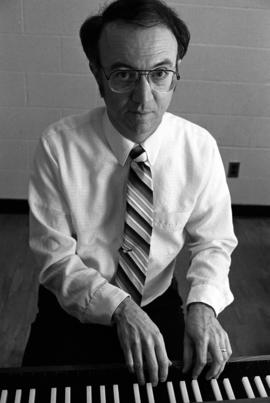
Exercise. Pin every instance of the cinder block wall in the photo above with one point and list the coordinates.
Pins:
(225, 83)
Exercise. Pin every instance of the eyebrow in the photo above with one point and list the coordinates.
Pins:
(119, 65)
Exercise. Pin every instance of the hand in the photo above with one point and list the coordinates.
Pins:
(204, 334)
(141, 342)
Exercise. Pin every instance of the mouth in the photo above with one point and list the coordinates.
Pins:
(139, 113)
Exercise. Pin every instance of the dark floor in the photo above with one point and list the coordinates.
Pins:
(247, 320)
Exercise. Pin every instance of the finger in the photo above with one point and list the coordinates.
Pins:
(138, 363)
(226, 354)
(187, 353)
(201, 358)
(218, 361)
(127, 352)
(163, 360)
(228, 346)
(151, 365)
(129, 361)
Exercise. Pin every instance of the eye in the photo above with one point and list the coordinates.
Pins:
(159, 74)
(123, 75)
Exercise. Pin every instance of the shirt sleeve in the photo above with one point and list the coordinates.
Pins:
(211, 238)
(81, 290)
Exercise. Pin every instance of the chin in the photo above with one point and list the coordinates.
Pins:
(140, 137)
(141, 130)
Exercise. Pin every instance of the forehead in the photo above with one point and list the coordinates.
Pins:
(137, 47)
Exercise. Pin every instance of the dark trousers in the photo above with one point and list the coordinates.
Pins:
(57, 338)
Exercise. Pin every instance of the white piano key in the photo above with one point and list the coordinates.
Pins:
(196, 390)
(102, 394)
(4, 395)
(228, 387)
(248, 388)
(67, 394)
(184, 392)
(136, 391)
(53, 395)
(150, 394)
(260, 387)
(18, 396)
(88, 394)
(32, 396)
(216, 390)
(267, 378)
(116, 396)
(171, 393)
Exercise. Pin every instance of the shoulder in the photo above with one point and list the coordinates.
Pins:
(183, 130)
(74, 126)
(71, 134)
(187, 139)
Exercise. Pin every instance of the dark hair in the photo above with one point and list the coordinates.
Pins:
(145, 13)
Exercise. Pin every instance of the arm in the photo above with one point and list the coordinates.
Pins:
(80, 289)
(211, 242)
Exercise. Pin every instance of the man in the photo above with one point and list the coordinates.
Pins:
(114, 195)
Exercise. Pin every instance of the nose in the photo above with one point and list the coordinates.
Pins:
(142, 92)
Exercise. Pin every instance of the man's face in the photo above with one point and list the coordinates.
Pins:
(137, 113)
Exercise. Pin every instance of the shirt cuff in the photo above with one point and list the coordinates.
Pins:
(103, 304)
(210, 295)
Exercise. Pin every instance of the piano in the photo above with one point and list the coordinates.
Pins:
(243, 380)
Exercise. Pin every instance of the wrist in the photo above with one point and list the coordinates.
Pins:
(200, 306)
(116, 316)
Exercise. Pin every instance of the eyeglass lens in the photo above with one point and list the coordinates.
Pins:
(125, 80)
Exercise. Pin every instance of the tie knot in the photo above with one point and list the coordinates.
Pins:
(138, 154)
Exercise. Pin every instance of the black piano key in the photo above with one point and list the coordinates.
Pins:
(109, 393)
(25, 395)
(78, 393)
(60, 394)
(190, 390)
(11, 395)
(126, 392)
(160, 393)
(43, 394)
(206, 390)
(143, 394)
(177, 390)
(95, 393)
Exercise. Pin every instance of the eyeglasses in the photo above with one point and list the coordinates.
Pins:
(125, 80)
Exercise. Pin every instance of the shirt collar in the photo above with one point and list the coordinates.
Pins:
(121, 146)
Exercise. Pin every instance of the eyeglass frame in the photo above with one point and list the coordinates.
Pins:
(141, 73)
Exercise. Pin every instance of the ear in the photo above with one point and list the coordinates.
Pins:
(178, 63)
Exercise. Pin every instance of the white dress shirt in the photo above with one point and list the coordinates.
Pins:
(77, 212)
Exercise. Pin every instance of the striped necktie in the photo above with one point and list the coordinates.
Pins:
(134, 252)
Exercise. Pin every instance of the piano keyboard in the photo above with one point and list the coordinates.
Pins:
(240, 381)
(113, 394)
